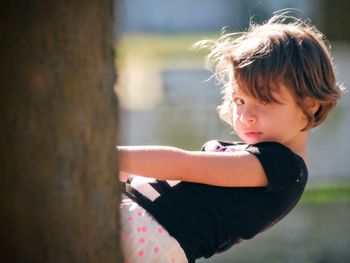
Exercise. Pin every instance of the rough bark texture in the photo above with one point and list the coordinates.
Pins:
(59, 189)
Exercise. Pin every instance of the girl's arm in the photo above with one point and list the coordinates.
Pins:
(238, 168)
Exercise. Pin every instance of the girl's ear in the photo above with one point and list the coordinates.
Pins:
(312, 104)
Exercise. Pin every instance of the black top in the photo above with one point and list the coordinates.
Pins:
(208, 219)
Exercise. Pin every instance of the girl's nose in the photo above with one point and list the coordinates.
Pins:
(248, 116)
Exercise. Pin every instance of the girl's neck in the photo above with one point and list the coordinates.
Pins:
(299, 146)
(302, 153)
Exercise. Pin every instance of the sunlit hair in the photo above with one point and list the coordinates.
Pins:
(284, 50)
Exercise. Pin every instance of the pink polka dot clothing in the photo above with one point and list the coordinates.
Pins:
(144, 240)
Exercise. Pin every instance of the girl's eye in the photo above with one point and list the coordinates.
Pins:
(238, 101)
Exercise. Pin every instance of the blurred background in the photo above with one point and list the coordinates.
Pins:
(167, 99)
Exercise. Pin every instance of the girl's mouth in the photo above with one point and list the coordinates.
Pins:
(252, 134)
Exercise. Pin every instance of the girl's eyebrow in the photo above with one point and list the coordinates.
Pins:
(235, 92)
(240, 93)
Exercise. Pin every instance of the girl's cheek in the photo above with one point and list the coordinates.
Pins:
(235, 111)
(235, 116)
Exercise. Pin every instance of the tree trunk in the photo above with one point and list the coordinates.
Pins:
(59, 186)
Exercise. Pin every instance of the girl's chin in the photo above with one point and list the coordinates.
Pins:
(254, 140)
(251, 141)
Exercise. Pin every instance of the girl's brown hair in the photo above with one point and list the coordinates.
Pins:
(292, 53)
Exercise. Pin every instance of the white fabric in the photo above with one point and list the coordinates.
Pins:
(141, 184)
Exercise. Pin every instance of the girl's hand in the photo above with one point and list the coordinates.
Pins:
(123, 176)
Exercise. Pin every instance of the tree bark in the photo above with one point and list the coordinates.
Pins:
(59, 185)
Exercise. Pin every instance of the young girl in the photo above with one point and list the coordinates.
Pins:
(278, 83)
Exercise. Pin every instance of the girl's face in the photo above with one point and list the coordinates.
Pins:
(255, 121)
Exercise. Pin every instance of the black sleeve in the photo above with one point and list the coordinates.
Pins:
(282, 166)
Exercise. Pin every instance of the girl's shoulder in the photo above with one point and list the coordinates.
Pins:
(281, 165)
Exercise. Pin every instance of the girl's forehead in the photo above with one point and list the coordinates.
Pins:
(279, 92)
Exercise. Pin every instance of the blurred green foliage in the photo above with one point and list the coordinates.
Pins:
(327, 193)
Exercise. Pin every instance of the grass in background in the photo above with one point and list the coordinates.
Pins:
(327, 193)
